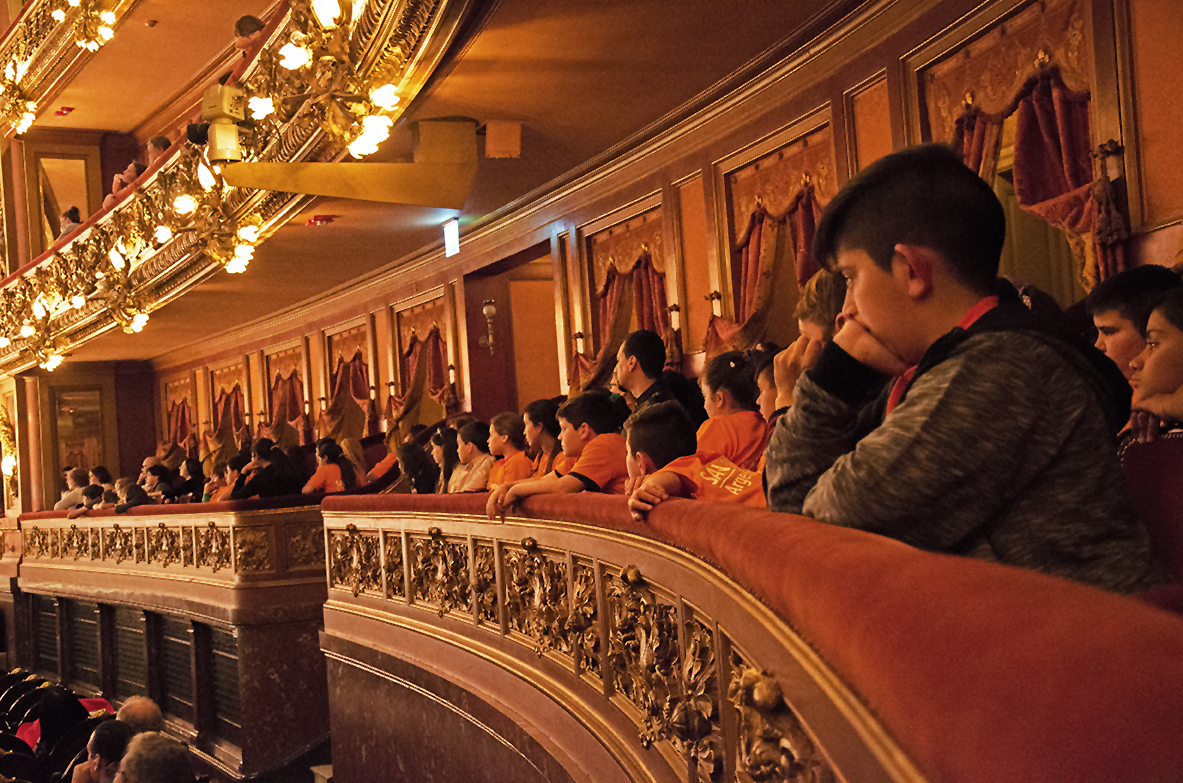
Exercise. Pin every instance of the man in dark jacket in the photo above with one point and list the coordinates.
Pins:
(997, 439)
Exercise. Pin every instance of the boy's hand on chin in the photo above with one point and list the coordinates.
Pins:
(866, 348)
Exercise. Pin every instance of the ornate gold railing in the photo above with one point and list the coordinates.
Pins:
(183, 223)
(675, 669)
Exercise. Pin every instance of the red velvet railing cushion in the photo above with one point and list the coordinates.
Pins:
(224, 507)
(982, 672)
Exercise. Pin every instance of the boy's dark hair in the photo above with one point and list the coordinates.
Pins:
(237, 462)
(101, 473)
(160, 142)
(544, 412)
(732, 371)
(248, 25)
(510, 426)
(80, 477)
(923, 196)
(598, 409)
(663, 431)
(73, 215)
(822, 299)
(476, 433)
(649, 349)
(92, 492)
(160, 472)
(1133, 293)
(140, 169)
(1170, 307)
(110, 739)
(110, 496)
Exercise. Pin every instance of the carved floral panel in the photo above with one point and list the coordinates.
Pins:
(395, 576)
(305, 545)
(439, 573)
(583, 624)
(213, 547)
(485, 582)
(354, 561)
(536, 596)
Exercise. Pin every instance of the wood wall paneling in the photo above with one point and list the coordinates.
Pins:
(868, 113)
(536, 365)
(696, 262)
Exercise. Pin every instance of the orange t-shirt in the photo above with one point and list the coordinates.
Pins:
(386, 464)
(563, 464)
(602, 465)
(327, 478)
(718, 478)
(509, 469)
(740, 437)
(222, 494)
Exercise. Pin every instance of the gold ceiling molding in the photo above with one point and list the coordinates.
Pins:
(185, 223)
(51, 38)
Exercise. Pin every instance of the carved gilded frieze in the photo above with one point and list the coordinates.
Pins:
(76, 543)
(187, 554)
(694, 723)
(395, 581)
(771, 743)
(536, 596)
(164, 545)
(213, 548)
(118, 544)
(37, 542)
(306, 545)
(583, 623)
(484, 583)
(354, 561)
(252, 549)
(439, 573)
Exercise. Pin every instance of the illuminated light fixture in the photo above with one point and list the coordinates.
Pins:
(73, 3)
(185, 204)
(261, 107)
(39, 308)
(244, 253)
(27, 331)
(295, 56)
(52, 363)
(5, 341)
(138, 322)
(91, 46)
(206, 178)
(452, 237)
(162, 234)
(327, 13)
(10, 71)
(8, 464)
(248, 233)
(374, 131)
(117, 259)
(106, 33)
(27, 118)
(107, 17)
(77, 301)
(58, 15)
(489, 310)
(384, 97)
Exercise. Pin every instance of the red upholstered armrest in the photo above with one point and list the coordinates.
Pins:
(223, 507)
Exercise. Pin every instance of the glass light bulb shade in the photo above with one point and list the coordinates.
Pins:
(8, 464)
(73, 3)
(206, 178)
(384, 97)
(261, 107)
(52, 363)
(77, 301)
(117, 259)
(236, 266)
(27, 330)
(185, 204)
(10, 71)
(107, 17)
(5, 341)
(248, 233)
(58, 15)
(244, 253)
(489, 311)
(327, 12)
(39, 308)
(294, 56)
(92, 46)
(162, 234)
(138, 322)
(106, 33)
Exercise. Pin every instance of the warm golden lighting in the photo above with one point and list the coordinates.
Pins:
(39, 308)
(162, 234)
(327, 12)
(384, 97)
(185, 204)
(294, 56)
(249, 233)
(77, 301)
(107, 17)
(117, 259)
(74, 3)
(91, 46)
(58, 15)
(261, 107)
(106, 33)
(8, 464)
(205, 177)
(52, 363)
(374, 131)
(5, 341)
(27, 330)
(138, 322)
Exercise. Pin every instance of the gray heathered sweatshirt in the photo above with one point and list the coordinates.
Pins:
(1003, 449)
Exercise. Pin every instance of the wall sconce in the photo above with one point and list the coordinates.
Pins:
(451, 237)
(578, 338)
(489, 311)
(716, 300)
(451, 373)
(675, 313)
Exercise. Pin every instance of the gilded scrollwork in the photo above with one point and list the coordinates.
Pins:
(306, 545)
(583, 627)
(252, 548)
(395, 578)
(536, 597)
(164, 545)
(213, 548)
(118, 543)
(187, 556)
(439, 573)
(76, 543)
(771, 745)
(37, 542)
(354, 561)
(694, 723)
(485, 583)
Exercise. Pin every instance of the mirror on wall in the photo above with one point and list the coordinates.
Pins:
(62, 185)
(78, 421)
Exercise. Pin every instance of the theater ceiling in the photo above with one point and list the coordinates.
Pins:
(582, 78)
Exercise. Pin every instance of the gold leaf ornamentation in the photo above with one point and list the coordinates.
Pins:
(439, 573)
(536, 597)
(485, 583)
(306, 545)
(395, 580)
(213, 548)
(252, 547)
(118, 544)
(772, 745)
(354, 562)
(583, 626)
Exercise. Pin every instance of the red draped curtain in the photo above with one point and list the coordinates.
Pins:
(761, 255)
(229, 431)
(351, 413)
(289, 425)
(182, 434)
(423, 372)
(1055, 175)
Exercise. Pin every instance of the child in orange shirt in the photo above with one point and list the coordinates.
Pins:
(662, 463)
(334, 471)
(735, 429)
(542, 434)
(588, 426)
(507, 439)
